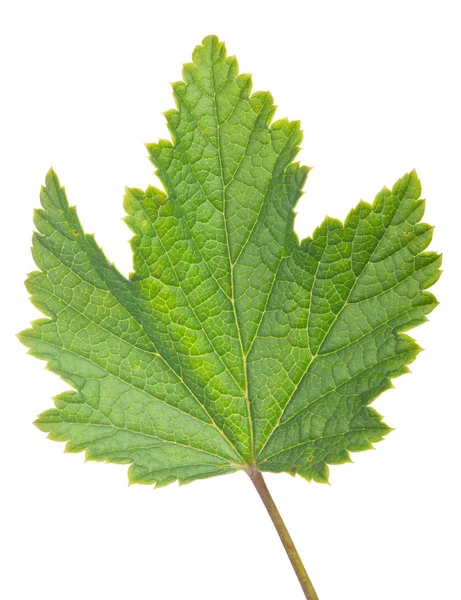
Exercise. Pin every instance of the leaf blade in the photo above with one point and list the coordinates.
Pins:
(74, 360)
(331, 363)
(231, 344)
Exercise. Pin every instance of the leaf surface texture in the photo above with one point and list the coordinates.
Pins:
(231, 343)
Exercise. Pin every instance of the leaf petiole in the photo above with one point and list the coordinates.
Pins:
(296, 562)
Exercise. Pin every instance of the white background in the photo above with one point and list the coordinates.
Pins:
(376, 86)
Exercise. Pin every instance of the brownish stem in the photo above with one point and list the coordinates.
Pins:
(261, 487)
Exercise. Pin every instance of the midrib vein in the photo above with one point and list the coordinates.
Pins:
(231, 267)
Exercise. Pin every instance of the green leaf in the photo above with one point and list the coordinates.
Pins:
(232, 344)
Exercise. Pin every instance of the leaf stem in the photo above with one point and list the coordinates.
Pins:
(261, 487)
